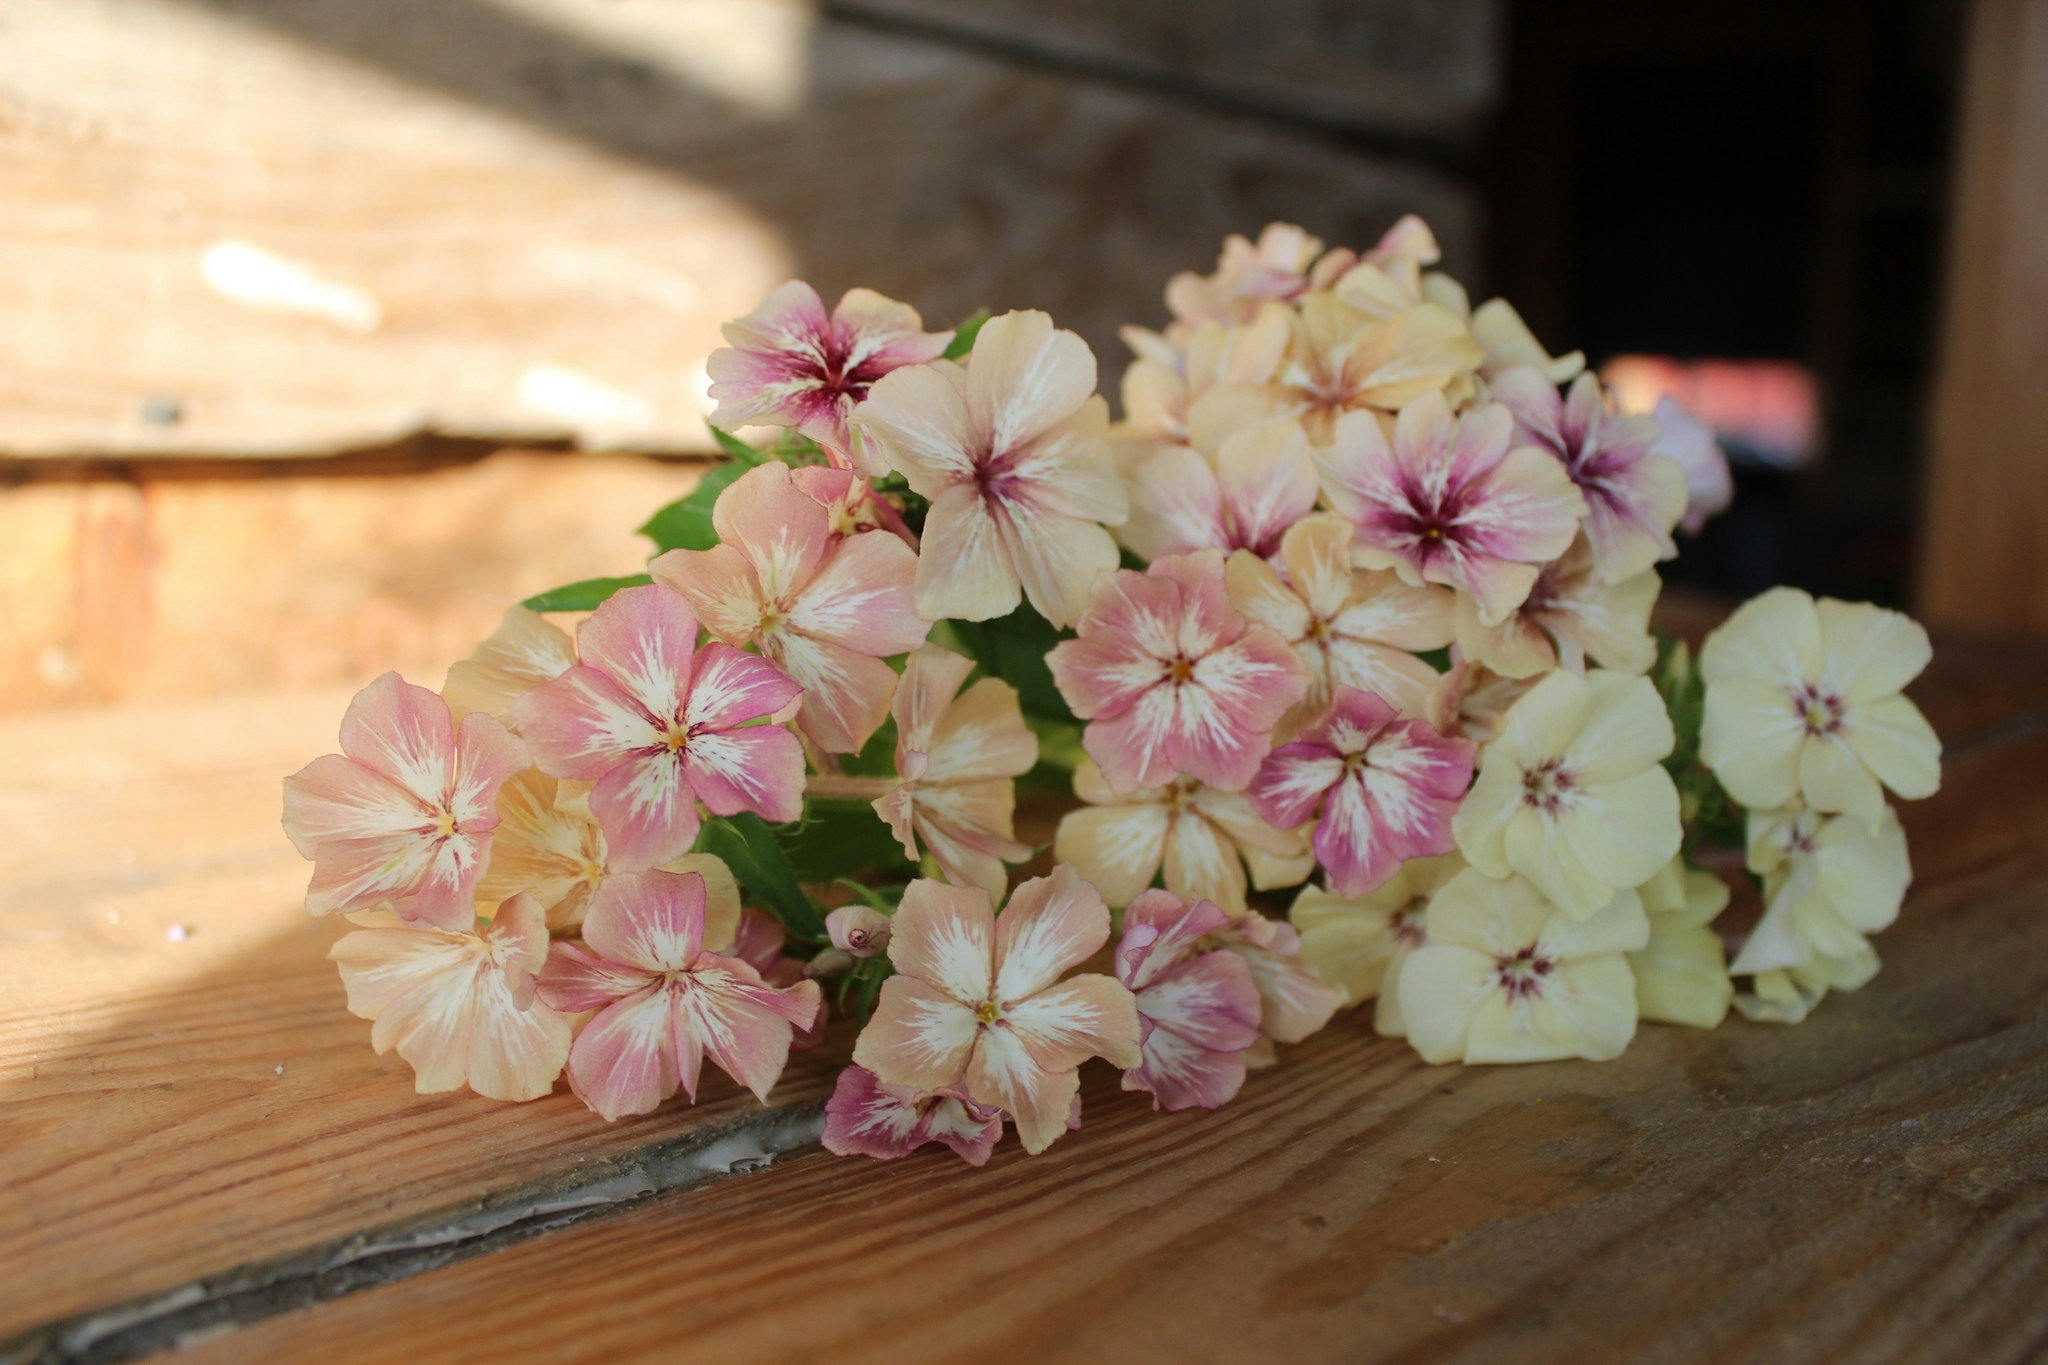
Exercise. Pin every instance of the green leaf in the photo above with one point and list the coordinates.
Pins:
(742, 453)
(748, 846)
(964, 335)
(841, 839)
(584, 596)
(685, 524)
(1013, 648)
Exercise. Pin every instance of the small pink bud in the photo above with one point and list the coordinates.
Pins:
(858, 930)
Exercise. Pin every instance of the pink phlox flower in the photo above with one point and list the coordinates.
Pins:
(402, 816)
(663, 1002)
(1198, 1005)
(1633, 496)
(1294, 1001)
(852, 506)
(1709, 484)
(759, 941)
(791, 365)
(865, 1117)
(1172, 679)
(1448, 501)
(1387, 788)
(823, 608)
(660, 725)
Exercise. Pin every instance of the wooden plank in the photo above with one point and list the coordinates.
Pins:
(1871, 1187)
(1984, 544)
(172, 588)
(518, 221)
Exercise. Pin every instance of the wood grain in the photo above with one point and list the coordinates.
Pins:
(553, 205)
(1984, 544)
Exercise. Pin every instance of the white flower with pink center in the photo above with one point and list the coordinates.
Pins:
(791, 364)
(402, 817)
(1172, 679)
(1633, 496)
(825, 609)
(1386, 789)
(660, 725)
(1448, 501)
(663, 1002)
(1198, 1006)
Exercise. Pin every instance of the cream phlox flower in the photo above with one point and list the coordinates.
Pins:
(1351, 627)
(1198, 1005)
(1682, 976)
(1571, 616)
(1789, 994)
(792, 365)
(825, 609)
(459, 1006)
(1448, 501)
(1283, 264)
(1386, 788)
(978, 1006)
(1162, 385)
(1634, 496)
(1011, 450)
(1572, 794)
(1260, 482)
(1172, 679)
(1803, 702)
(402, 816)
(1508, 976)
(1504, 339)
(663, 1002)
(865, 1117)
(659, 725)
(1358, 943)
(1828, 883)
(523, 652)
(1203, 839)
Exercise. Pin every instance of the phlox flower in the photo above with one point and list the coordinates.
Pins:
(1505, 341)
(549, 846)
(1682, 974)
(1172, 679)
(1258, 483)
(660, 725)
(1386, 787)
(1571, 616)
(977, 1004)
(1633, 495)
(663, 1002)
(1508, 976)
(791, 365)
(1828, 883)
(1447, 501)
(959, 755)
(1198, 1007)
(523, 652)
(1472, 700)
(1168, 378)
(1284, 264)
(1359, 943)
(1203, 840)
(1350, 627)
(1709, 485)
(858, 930)
(759, 940)
(865, 1117)
(825, 609)
(1789, 994)
(402, 816)
(459, 1006)
(1803, 701)
(1011, 450)
(852, 506)
(1294, 1001)
(1572, 793)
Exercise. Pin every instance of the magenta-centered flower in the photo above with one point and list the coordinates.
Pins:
(403, 815)
(1449, 502)
(1387, 787)
(792, 365)
(1172, 678)
(1198, 1004)
(1633, 495)
(663, 1001)
(660, 725)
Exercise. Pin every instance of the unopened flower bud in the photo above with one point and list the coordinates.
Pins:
(858, 930)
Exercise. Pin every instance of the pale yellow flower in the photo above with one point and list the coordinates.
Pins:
(523, 652)
(1572, 794)
(1682, 976)
(1787, 996)
(1508, 976)
(1828, 882)
(1163, 384)
(1358, 944)
(1504, 338)
(1803, 703)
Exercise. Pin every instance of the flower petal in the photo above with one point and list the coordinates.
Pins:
(1051, 925)
(919, 1035)
(650, 920)
(624, 1061)
(946, 935)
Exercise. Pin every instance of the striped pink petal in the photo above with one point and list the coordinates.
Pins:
(650, 920)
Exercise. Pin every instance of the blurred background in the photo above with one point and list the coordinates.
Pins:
(329, 327)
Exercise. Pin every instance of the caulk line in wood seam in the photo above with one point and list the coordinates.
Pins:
(219, 1303)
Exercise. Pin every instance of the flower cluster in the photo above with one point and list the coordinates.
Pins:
(1349, 607)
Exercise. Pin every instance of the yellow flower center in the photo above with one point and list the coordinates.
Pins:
(1180, 670)
(444, 824)
(676, 739)
(1819, 710)
(988, 1012)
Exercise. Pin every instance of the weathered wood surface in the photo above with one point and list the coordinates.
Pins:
(1871, 1184)
(527, 221)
